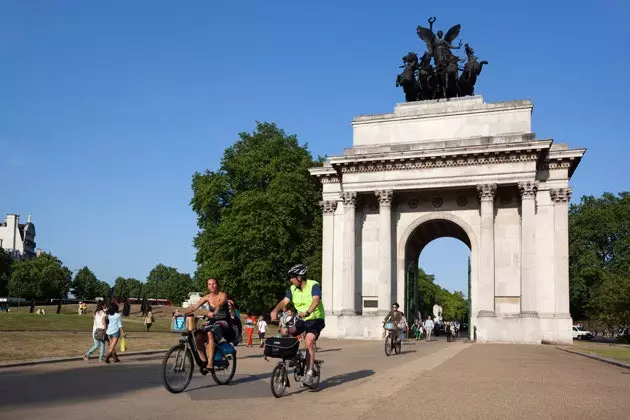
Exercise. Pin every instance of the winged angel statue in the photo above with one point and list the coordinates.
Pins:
(440, 80)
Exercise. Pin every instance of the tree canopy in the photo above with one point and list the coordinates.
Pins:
(43, 277)
(5, 271)
(599, 258)
(258, 214)
(85, 285)
(167, 283)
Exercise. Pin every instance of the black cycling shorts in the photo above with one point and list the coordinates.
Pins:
(315, 326)
(220, 329)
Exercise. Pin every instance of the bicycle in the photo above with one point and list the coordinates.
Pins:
(392, 342)
(287, 349)
(185, 352)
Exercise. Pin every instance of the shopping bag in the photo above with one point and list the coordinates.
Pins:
(123, 344)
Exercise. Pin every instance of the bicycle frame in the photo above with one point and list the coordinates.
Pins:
(188, 339)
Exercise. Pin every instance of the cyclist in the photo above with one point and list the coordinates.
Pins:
(218, 327)
(306, 297)
(396, 317)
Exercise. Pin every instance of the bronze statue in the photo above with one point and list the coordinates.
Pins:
(422, 81)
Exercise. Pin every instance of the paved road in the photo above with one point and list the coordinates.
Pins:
(432, 380)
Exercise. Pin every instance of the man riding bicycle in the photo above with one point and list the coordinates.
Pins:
(396, 317)
(306, 296)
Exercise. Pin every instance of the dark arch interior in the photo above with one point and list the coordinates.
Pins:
(430, 230)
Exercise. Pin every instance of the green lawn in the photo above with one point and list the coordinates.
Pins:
(68, 322)
(619, 352)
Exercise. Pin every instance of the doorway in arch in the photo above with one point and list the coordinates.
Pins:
(442, 248)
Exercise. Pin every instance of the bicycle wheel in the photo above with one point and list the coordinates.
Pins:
(224, 369)
(181, 369)
(279, 380)
(388, 344)
(398, 345)
(317, 372)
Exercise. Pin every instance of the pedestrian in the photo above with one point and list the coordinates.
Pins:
(428, 325)
(249, 328)
(99, 328)
(262, 329)
(114, 331)
(149, 320)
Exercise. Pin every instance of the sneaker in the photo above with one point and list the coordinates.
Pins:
(308, 379)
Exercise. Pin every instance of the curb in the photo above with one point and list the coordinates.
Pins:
(72, 359)
(600, 358)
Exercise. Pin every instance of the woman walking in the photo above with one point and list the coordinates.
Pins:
(249, 327)
(114, 331)
(99, 335)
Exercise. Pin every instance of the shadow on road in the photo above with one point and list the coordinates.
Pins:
(345, 378)
(77, 384)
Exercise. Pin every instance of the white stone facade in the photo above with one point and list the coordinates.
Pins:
(460, 168)
(18, 238)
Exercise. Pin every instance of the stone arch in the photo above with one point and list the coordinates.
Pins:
(436, 225)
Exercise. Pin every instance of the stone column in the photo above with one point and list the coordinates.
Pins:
(349, 260)
(529, 304)
(328, 254)
(385, 250)
(486, 287)
(560, 198)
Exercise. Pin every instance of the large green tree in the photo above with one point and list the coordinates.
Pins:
(44, 277)
(166, 282)
(85, 284)
(258, 214)
(5, 271)
(599, 248)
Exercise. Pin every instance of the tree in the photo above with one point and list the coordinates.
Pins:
(167, 283)
(5, 271)
(127, 287)
(44, 277)
(85, 284)
(610, 303)
(102, 290)
(258, 215)
(599, 246)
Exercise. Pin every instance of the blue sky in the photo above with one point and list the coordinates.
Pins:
(107, 108)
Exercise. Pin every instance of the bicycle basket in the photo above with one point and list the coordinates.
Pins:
(281, 347)
(178, 324)
(390, 326)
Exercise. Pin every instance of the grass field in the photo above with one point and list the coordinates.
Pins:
(619, 352)
(32, 336)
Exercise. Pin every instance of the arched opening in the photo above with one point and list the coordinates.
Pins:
(424, 231)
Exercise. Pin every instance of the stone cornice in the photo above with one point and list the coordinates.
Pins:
(436, 160)
(562, 159)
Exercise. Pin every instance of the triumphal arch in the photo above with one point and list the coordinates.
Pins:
(455, 167)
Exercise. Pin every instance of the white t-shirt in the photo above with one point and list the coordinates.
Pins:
(99, 318)
(428, 324)
(262, 326)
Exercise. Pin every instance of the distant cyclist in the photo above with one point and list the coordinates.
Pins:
(306, 296)
(397, 318)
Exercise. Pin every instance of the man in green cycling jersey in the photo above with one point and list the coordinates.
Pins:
(306, 296)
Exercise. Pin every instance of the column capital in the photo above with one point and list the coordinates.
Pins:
(349, 198)
(329, 206)
(528, 189)
(560, 195)
(486, 192)
(384, 196)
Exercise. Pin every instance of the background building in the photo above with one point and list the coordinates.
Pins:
(18, 238)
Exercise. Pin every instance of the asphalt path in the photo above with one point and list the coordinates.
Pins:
(436, 379)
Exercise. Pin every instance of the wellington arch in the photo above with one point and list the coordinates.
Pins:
(460, 168)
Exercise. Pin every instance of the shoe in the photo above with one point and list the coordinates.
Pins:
(86, 358)
(308, 379)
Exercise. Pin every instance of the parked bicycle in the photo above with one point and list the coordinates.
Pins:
(392, 341)
(288, 350)
(185, 352)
